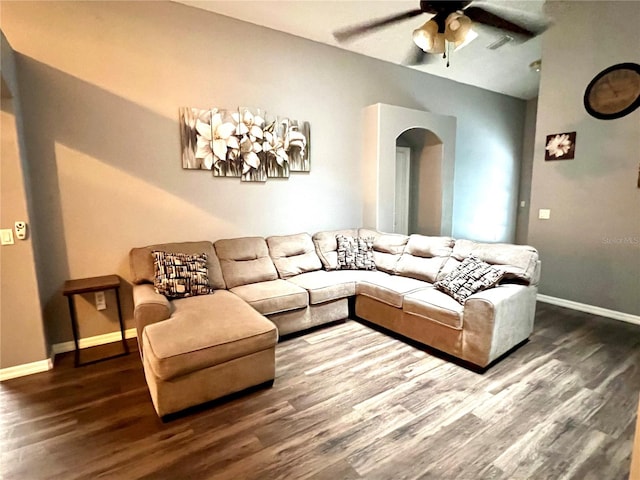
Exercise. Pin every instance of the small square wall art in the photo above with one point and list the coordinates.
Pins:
(560, 146)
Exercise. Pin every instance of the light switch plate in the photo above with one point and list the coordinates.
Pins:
(7, 236)
(544, 214)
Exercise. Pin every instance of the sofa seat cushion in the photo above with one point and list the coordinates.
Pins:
(325, 286)
(434, 305)
(205, 331)
(389, 289)
(273, 296)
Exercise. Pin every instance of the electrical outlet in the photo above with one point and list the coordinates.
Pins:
(544, 214)
(101, 301)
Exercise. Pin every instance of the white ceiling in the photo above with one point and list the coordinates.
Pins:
(505, 70)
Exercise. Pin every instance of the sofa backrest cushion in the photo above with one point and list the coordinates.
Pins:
(519, 262)
(327, 246)
(424, 256)
(387, 248)
(245, 260)
(141, 261)
(293, 254)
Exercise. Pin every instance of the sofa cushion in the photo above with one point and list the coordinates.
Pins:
(273, 296)
(471, 276)
(389, 289)
(355, 253)
(424, 256)
(434, 305)
(327, 246)
(518, 261)
(325, 286)
(293, 254)
(142, 268)
(180, 275)
(245, 260)
(205, 331)
(387, 248)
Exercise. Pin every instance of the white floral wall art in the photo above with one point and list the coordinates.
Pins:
(560, 146)
(276, 157)
(245, 143)
(189, 119)
(225, 144)
(296, 144)
(250, 134)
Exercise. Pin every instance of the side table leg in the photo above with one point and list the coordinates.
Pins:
(124, 340)
(74, 328)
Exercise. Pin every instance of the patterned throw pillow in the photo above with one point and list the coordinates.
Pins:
(347, 249)
(364, 258)
(471, 276)
(355, 253)
(179, 275)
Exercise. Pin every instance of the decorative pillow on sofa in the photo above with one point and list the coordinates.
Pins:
(179, 275)
(355, 253)
(471, 276)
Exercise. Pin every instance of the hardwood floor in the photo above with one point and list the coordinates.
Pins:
(349, 402)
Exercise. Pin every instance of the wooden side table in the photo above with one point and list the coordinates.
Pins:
(88, 285)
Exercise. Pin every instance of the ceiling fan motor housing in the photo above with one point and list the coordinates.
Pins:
(442, 7)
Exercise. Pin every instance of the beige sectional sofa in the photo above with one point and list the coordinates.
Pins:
(200, 348)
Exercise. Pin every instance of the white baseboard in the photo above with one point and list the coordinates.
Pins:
(25, 369)
(44, 365)
(92, 341)
(583, 307)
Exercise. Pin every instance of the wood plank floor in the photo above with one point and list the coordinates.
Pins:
(349, 402)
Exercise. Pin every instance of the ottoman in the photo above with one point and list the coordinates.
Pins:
(212, 345)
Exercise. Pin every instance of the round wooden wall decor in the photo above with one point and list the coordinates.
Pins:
(614, 92)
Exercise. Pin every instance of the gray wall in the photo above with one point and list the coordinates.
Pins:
(526, 170)
(105, 82)
(590, 247)
(22, 337)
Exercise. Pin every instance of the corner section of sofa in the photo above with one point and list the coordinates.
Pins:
(486, 326)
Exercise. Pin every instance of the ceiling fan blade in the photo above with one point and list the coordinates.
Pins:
(344, 34)
(480, 15)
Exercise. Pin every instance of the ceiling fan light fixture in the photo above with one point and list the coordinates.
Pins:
(424, 36)
(457, 27)
(428, 39)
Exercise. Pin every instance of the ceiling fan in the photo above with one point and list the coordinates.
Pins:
(448, 29)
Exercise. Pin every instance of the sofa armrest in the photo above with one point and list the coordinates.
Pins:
(496, 320)
(148, 307)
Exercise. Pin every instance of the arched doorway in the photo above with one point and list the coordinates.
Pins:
(435, 137)
(418, 189)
